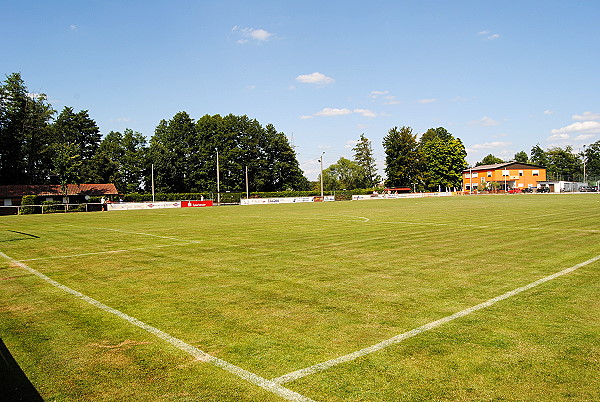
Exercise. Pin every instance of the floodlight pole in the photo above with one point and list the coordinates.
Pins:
(247, 192)
(583, 157)
(218, 180)
(153, 182)
(322, 173)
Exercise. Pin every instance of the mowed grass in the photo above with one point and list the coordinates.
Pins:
(277, 288)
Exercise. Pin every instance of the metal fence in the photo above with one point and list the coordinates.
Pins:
(48, 208)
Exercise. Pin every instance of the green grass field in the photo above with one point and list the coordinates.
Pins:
(278, 288)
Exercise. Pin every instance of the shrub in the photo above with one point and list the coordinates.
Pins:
(28, 200)
(49, 207)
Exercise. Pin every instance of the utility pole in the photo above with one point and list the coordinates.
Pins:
(218, 180)
(583, 157)
(322, 173)
(247, 192)
(153, 182)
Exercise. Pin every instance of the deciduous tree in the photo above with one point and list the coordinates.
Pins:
(489, 160)
(402, 160)
(443, 158)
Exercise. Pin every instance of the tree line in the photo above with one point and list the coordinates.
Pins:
(39, 146)
(433, 161)
(560, 163)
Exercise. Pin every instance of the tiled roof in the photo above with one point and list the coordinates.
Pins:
(54, 190)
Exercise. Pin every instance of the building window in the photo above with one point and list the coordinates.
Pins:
(489, 174)
(467, 176)
(505, 173)
(474, 175)
(520, 173)
(535, 172)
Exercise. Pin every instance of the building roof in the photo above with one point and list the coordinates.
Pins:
(514, 165)
(54, 190)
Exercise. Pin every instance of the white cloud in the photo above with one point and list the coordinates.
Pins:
(484, 122)
(556, 137)
(375, 94)
(429, 100)
(124, 119)
(259, 35)
(328, 111)
(488, 35)
(305, 117)
(387, 99)
(587, 127)
(491, 145)
(315, 78)
(586, 116)
(365, 112)
(73, 27)
(548, 112)
(390, 100)
(350, 144)
(584, 137)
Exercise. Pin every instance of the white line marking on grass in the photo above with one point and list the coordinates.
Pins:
(461, 225)
(145, 234)
(434, 324)
(103, 252)
(268, 385)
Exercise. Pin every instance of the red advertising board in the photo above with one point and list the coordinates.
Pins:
(189, 204)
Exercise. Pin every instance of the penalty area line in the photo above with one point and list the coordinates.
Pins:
(434, 324)
(200, 355)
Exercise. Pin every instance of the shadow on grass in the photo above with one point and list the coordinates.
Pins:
(14, 384)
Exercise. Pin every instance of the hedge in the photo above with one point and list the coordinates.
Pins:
(235, 197)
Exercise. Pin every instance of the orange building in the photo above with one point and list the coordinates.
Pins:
(503, 176)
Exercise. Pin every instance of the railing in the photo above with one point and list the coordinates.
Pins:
(48, 208)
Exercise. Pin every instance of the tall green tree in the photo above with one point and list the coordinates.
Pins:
(80, 130)
(171, 149)
(489, 160)
(443, 158)
(184, 153)
(363, 156)
(402, 160)
(521, 157)
(563, 164)
(343, 175)
(67, 165)
(592, 161)
(122, 159)
(538, 156)
(24, 139)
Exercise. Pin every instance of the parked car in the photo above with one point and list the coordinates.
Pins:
(528, 190)
(514, 190)
(543, 190)
(588, 189)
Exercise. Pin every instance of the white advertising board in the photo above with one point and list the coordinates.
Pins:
(284, 200)
(393, 196)
(143, 205)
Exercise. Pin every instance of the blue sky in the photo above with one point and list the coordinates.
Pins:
(501, 75)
